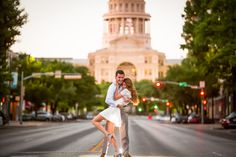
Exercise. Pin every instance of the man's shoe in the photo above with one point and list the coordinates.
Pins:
(118, 155)
(102, 155)
(127, 155)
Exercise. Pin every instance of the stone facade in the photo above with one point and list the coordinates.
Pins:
(126, 45)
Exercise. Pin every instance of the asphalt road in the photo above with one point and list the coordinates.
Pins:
(147, 138)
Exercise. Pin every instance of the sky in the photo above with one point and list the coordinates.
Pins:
(74, 28)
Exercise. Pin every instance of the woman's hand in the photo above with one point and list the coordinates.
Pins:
(126, 99)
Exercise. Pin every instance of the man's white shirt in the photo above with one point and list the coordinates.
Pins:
(110, 95)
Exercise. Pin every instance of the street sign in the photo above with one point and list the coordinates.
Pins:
(58, 74)
(183, 84)
(72, 77)
(202, 84)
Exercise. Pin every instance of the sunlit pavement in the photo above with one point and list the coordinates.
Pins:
(61, 154)
(16, 124)
(73, 140)
(90, 155)
(33, 123)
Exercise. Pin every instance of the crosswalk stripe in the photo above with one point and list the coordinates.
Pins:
(87, 155)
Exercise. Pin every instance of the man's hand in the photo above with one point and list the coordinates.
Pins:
(119, 106)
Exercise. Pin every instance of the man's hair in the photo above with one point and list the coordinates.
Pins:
(119, 72)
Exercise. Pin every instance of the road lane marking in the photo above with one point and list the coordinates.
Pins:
(97, 147)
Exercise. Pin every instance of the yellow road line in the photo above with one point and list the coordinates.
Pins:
(97, 147)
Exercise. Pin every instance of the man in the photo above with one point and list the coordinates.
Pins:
(119, 76)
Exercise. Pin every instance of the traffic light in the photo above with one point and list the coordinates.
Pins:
(204, 102)
(168, 104)
(3, 99)
(144, 99)
(202, 93)
(140, 109)
(158, 84)
(183, 84)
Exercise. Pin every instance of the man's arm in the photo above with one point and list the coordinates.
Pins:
(110, 95)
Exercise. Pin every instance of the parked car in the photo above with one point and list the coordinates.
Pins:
(179, 118)
(194, 118)
(58, 117)
(68, 116)
(162, 118)
(89, 115)
(44, 116)
(229, 121)
(28, 116)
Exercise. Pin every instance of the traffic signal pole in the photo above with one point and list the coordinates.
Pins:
(185, 84)
(57, 74)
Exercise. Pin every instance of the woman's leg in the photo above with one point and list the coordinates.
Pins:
(97, 123)
(111, 130)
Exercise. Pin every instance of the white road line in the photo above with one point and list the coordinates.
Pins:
(217, 154)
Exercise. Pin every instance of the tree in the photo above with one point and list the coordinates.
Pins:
(209, 32)
(12, 17)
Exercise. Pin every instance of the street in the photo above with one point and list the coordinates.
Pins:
(147, 138)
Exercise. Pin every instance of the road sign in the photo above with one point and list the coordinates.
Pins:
(72, 77)
(202, 84)
(58, 74)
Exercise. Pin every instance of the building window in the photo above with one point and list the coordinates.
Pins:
(160, 62)
(148, 60)
(126, 7)
(148, 72)
(120, 7)
(142, 7)
(132, 7)
(91, 62)
(104, 60)
(104, 72)
(111, 7)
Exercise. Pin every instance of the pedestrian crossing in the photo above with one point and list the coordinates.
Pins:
(88, 155)
(70, 154)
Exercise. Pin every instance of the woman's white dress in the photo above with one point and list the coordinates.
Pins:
(112, 114)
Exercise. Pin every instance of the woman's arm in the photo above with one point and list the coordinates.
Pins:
(117, 95)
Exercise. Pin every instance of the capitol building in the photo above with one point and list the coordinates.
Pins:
(126, 45)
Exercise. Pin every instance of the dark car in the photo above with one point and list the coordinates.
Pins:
(194, 118)
(229, 121)
(3, 119)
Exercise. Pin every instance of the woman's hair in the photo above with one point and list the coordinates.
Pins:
(131, 88)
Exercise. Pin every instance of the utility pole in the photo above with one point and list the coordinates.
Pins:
(200, 87)
(202, 94)
(21, 96)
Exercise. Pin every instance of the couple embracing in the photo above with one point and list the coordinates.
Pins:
(120, 93)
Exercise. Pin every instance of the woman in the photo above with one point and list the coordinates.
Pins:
(112, 114)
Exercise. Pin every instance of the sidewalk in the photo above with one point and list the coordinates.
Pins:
(16, 124)
(204, 126)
